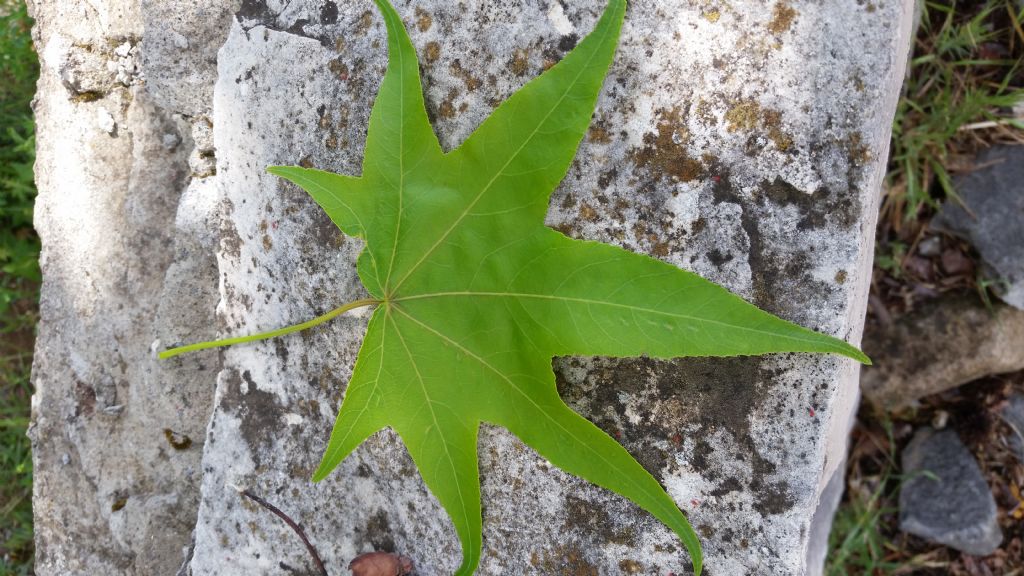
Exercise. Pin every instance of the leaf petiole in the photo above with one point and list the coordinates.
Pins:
(273, 333)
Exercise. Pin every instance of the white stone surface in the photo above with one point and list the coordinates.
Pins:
(743, 141)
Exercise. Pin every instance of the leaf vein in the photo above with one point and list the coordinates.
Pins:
(542, 410)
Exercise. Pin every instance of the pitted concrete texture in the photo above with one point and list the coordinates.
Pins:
(743, 141)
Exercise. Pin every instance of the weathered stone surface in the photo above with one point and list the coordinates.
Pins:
(945, 499)
(946, 343)
(994, 198)
(179, 51)
(744, 142)
(128, 257)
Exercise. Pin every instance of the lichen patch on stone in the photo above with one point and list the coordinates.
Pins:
(665, 151)
(783, 16)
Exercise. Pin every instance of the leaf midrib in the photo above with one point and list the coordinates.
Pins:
(331, 454)
(433, 415)
(539, 408)
(494, 178)
(590, 301)
(401, 158)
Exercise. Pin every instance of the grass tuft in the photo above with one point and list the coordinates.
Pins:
(15, 466)
(19, 280)
(963, 81)
(19, 246)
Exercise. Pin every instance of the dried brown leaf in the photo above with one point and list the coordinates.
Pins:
(380, 564)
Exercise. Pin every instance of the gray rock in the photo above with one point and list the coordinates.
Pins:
(945, 499)
(1013, 415)
(944, 344)
(930, 247)
(994, 219)
(745, 144)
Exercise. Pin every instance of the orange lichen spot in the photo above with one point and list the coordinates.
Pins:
(857, 151)
(471, 82)
(782, 18)
(423, 20)
(771, 121)
(176, 440)
(446, 110)
(629, 566)
(666, 152)
(519, 62)
(743, 116)
(599, 134)
(433, 52)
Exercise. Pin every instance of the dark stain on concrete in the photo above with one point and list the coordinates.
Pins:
(776, 273)
(568, 42)
(817, 209)
(564, 559)
(255, 13)
(329, 12)
(258, 411)
(706, 394)
(378, 533)
(594, 519)
(85, 397)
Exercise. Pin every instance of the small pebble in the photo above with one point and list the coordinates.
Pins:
(170, 141)
(930, 247)
(954, 262)
(105, 121)
(179, 41)
(919, 267)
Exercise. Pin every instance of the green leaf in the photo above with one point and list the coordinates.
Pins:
(475, 295)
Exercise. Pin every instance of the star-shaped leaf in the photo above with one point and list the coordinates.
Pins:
(474, 295)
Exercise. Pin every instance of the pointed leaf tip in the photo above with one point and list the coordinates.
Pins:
(844, 348)
(859, 356)
(321, 473)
